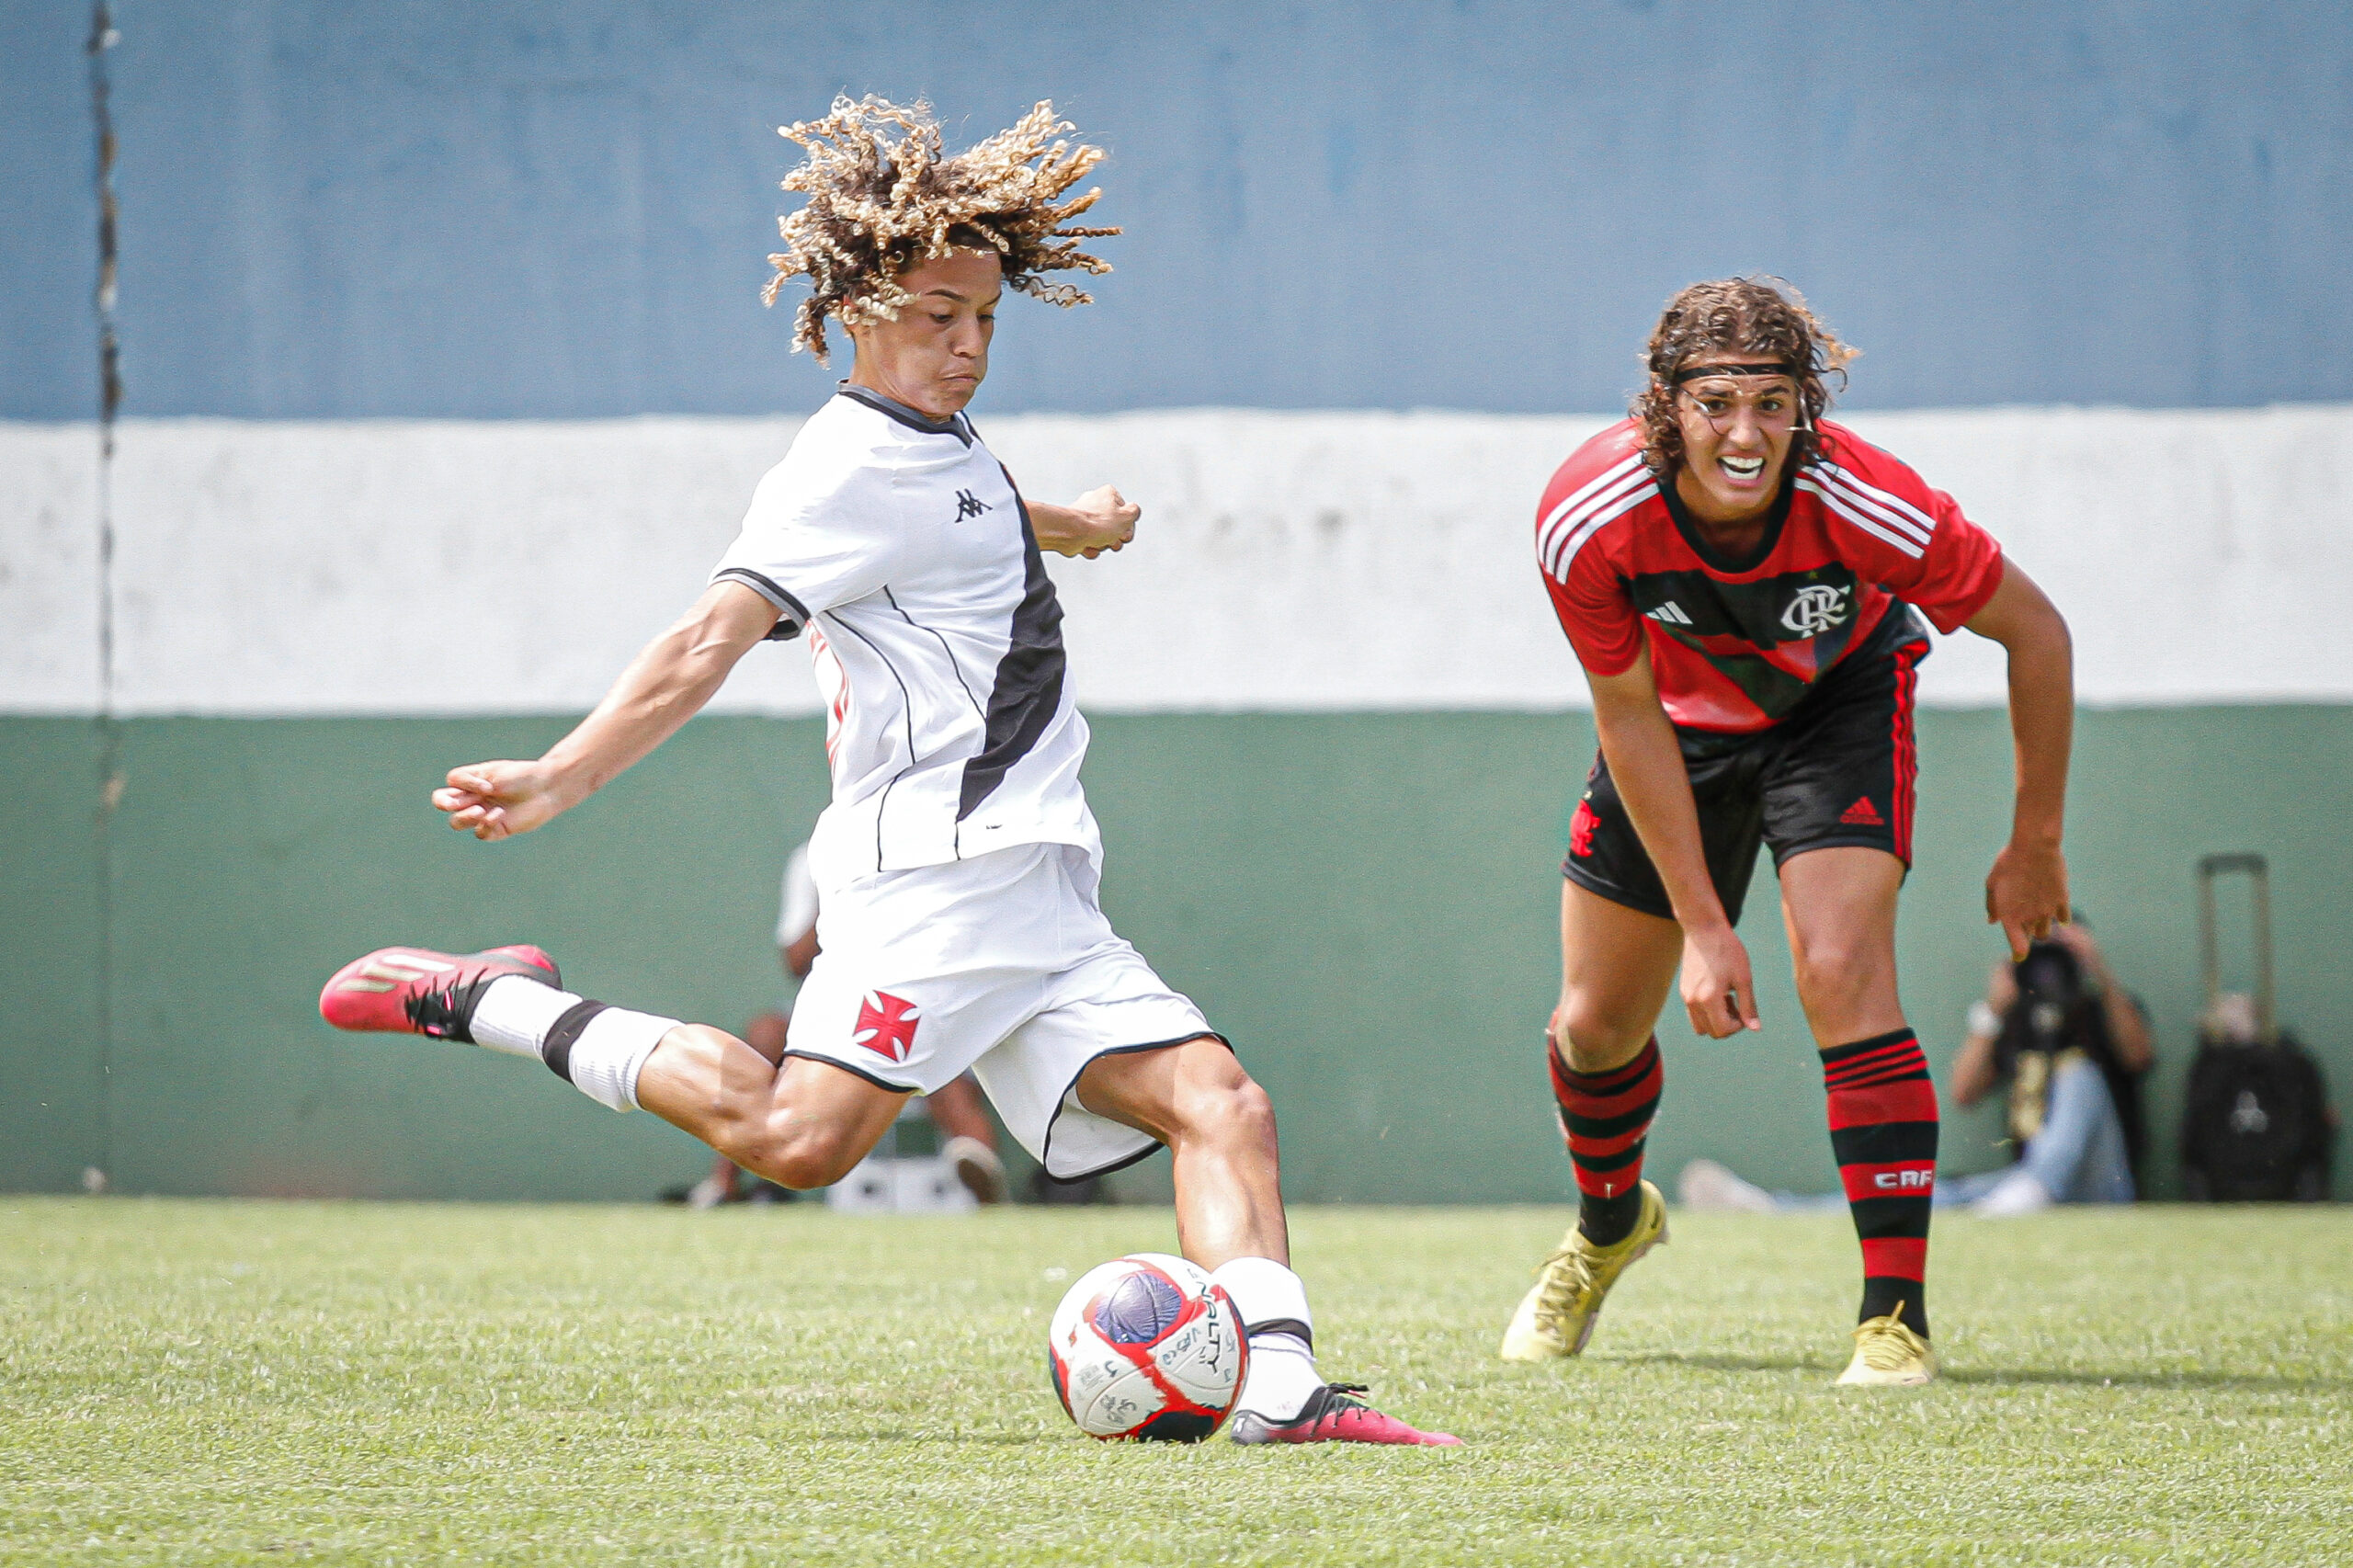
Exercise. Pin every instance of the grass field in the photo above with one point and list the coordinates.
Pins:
(205, 1382)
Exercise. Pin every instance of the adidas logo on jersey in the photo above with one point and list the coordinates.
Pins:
(1862, 813)
(969, 505)
(1670, 614)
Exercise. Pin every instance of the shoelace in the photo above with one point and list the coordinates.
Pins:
(1335, 1401)
(443, 1014)
(1887, 1347)
(1567, 1275)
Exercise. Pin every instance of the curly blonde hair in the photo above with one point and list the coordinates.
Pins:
(1763, 318)
(882, 200)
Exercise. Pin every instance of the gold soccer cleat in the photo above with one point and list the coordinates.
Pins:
(1556, 1317)
(1888, 1355)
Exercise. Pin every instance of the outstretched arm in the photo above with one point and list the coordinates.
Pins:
(664, 687)
(1099, 520)
(2026, 892)
(1646, 761)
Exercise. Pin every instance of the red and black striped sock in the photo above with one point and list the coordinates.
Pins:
(1883, 1131)
(1606, 1115)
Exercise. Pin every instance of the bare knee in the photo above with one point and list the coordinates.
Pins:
(1596, 1036)
(1224, 1104)
(1837, 978)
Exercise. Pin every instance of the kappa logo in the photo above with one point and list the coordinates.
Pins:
(969, 505)
(1862, 813)
(1817, 607)
(886, 1025)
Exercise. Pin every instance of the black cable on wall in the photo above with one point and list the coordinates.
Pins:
(103, 37)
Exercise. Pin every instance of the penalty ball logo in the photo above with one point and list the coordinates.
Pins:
(1147, 1347)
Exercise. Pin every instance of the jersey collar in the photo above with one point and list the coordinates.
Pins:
(1712, 558)
(891, 408)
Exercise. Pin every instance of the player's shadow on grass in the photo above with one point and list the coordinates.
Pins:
(2023, 1377)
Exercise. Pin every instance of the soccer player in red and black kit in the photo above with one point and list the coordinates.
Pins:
(1743, 582)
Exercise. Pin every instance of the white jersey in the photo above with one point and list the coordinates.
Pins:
(902, 547)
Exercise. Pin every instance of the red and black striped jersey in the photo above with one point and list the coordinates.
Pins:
(1736, 644)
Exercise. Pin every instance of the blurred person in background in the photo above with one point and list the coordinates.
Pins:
(968, 1137)
(2071, 1044)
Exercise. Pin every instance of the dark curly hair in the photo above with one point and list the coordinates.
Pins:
(1763, 318)
(882, 198)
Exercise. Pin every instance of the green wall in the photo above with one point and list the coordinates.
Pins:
(1366, 903)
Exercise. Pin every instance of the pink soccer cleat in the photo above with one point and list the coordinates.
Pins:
(1331, 1416)
(418, 990)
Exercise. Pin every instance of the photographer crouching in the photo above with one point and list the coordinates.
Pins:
(2073, 1045)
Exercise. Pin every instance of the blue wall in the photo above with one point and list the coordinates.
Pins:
(492, 207)
(48, 215)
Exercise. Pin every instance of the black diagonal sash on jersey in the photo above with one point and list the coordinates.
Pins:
(1028, 689)
(1712, 617)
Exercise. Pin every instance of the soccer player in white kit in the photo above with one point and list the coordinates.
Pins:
(958, 864)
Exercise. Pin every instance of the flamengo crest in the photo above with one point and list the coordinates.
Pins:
(1817, 607)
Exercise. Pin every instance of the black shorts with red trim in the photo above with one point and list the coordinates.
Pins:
(1839, 771)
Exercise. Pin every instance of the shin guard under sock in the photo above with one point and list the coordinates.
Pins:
(599, 1049)
(1883, 1131)
(595, 1048)
(1605, 1116)
(1272, 1301)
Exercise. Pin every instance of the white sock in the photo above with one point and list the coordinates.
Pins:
(609, 1053)
(515, 1013)
(1282, 1362)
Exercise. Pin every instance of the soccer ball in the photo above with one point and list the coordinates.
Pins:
(1146, 1346)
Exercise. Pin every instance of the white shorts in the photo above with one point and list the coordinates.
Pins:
(1002, 965)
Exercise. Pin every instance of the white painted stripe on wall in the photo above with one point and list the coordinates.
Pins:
(49, 577)
(1286, 561)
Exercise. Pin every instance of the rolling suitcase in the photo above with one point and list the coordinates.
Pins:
(2256, 1124)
